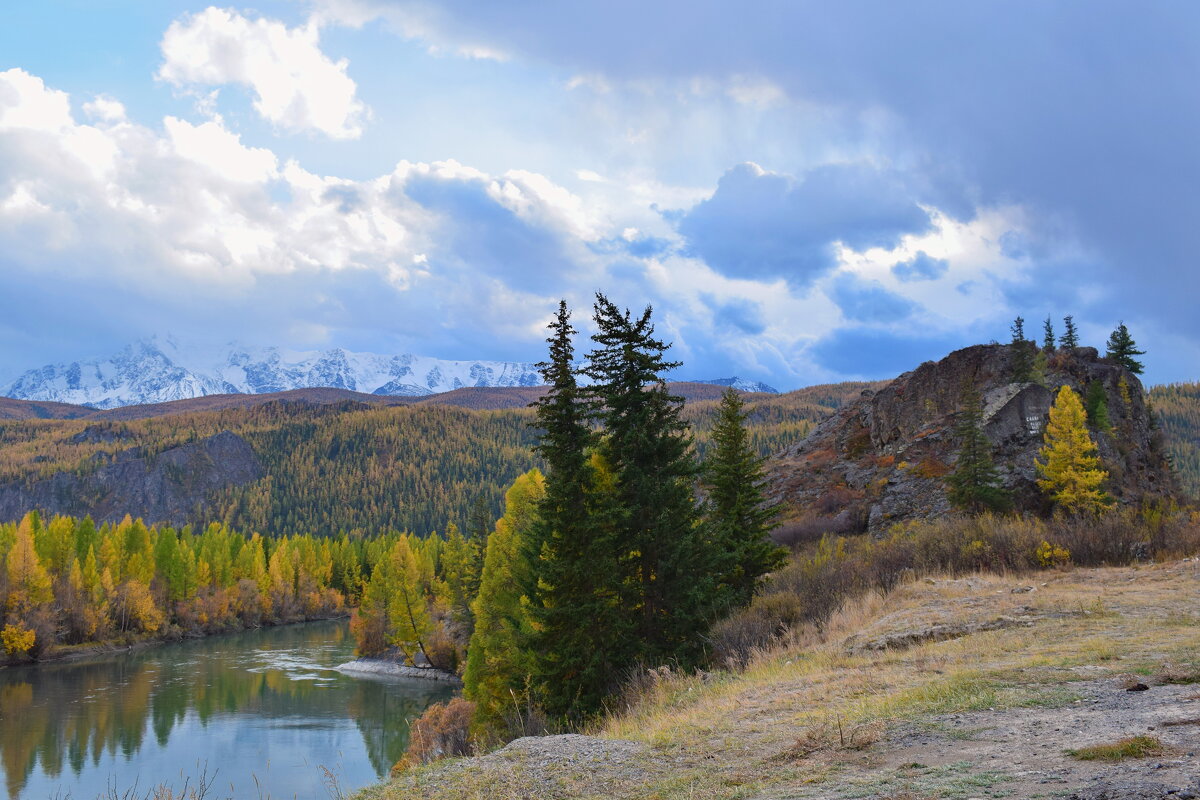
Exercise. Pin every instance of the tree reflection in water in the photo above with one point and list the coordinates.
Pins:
(260, 687)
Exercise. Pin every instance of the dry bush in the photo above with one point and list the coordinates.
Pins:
(443, 652)
(735, 639)
(821, 577)
(442, 731)
(1178, 673)
(810, 528)
(931, 467)
(837, 498)
(832, 735)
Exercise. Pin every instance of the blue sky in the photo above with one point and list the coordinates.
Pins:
(804, 191)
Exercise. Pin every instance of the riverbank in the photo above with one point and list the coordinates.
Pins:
(61, 653)
(384, 666)
(946, 687)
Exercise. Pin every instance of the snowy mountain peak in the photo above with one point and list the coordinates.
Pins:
(161, 369)
(742, 384)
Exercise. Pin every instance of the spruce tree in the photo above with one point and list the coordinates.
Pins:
(738, 516)
(975, 484)
(1021, 364)
(652, 508)
(582, 639)
(1068, 463)
(1122, 349)
(1070, 338)
(1047, 335)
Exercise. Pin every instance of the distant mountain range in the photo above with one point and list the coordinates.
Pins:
(162, 370)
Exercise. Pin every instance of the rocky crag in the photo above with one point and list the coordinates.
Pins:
(883, 458)
(165, 487)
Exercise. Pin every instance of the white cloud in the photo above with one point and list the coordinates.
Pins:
(220, 150)
(297, 86)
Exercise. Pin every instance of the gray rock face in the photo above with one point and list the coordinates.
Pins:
(167, 487)
(883, 459)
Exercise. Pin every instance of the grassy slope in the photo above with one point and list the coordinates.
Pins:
(772, 731)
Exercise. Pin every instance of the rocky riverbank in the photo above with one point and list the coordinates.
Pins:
(386, 666)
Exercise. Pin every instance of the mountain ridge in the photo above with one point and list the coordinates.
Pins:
(155, 371)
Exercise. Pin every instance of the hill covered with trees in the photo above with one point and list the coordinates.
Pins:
(1178, 409)
(331, 464)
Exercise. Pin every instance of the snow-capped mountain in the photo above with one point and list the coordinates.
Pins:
(158, 370)
(742, 384)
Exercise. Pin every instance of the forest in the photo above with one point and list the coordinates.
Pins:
(1178, 409)
(363, 470)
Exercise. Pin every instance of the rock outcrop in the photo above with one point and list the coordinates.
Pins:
(166, 487)
(883, 458)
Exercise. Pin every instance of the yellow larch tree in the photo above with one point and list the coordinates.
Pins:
(1068, 462)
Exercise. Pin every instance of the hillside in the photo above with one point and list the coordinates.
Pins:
(1178, 407)
(883, 458)
(332, 460)
(946, 687)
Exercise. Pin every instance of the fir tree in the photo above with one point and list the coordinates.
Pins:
(1047, 335)
(1097, 407)
(975, 484)
(738, 515)
(582, 636)
(1122, 349)
(1021, 363)
(1067, 463)
(646, 443)
(1070, 338)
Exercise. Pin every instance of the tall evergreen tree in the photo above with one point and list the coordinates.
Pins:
(652, 506)
(1021, 363)
(974, 485)
(738, 515)
(1122, 349)
(1068, 463)
(1047, 334)
(582, 636)
(1070, 338)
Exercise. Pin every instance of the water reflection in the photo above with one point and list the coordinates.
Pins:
(263, 709)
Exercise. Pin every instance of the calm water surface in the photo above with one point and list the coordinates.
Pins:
(263, 711)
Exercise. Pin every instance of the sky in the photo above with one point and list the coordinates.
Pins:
(805, 192)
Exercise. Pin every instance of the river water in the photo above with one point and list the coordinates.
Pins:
(261, 713)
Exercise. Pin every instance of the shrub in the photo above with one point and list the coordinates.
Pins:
(441, 732)
(824, 574)
(735, 639)
(810, 528)
(17, 641)
(1052, 555)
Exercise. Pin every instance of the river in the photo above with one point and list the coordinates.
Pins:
(261, 713)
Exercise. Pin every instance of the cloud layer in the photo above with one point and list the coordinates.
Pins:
(804, 191)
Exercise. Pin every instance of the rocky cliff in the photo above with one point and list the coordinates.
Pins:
(165, 487)
(883, 458)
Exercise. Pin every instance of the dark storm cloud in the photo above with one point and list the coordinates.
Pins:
(762, 225)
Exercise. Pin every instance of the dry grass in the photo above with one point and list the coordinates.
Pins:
(1132, 747)
(773, 727)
